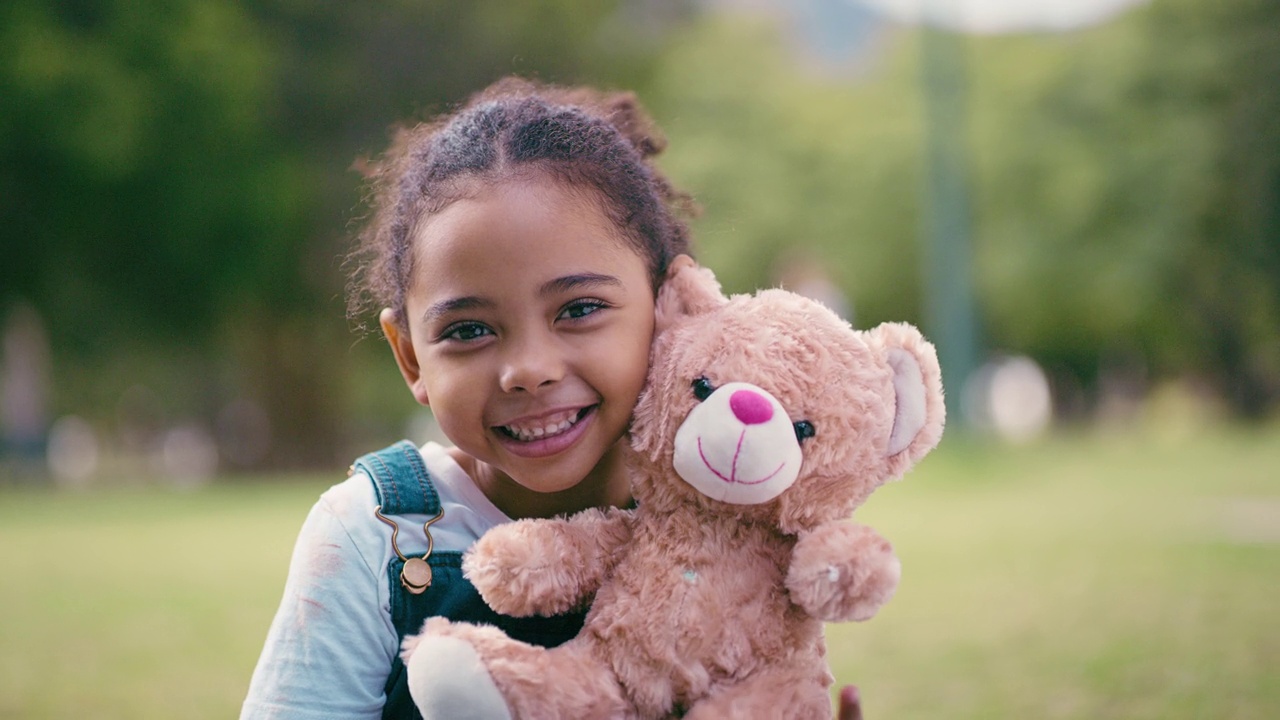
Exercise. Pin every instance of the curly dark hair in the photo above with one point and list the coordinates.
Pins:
(514, 129)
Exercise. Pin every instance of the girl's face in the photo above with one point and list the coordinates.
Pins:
(530, 318)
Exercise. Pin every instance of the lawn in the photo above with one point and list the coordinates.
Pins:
(1122, 575)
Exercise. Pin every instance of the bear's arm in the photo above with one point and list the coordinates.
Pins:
(842, 571)
(547, 567)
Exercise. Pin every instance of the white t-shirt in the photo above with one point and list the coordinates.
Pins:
(330, 648)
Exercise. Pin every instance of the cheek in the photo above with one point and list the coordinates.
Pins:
(633, 360)
(619, 367)
(454, 401)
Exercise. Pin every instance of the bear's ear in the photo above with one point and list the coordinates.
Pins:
(688, 290)
(919, 411)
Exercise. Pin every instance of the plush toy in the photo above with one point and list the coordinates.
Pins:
(765, 422)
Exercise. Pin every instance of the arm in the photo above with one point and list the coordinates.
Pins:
(547, 567)
(330, 648)
(842, 571)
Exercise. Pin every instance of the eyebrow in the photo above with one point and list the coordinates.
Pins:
(560, 284)
(444, 307)
(580, 280)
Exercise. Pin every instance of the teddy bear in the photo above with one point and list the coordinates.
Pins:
(765, 422)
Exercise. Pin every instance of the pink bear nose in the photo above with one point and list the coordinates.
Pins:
(751, 408)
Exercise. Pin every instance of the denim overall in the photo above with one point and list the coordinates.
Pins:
(404, 487)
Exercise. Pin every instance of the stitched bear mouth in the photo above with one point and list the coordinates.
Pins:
(733, 471)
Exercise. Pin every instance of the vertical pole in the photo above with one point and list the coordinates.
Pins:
(949, 306)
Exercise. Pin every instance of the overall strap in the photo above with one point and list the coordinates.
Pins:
(403, 486)
(400, 480)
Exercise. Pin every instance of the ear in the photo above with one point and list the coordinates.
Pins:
(919, 411)
(406, 357)
(688, 290)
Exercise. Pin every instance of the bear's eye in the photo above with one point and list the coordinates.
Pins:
(804, 430)
(702, 388)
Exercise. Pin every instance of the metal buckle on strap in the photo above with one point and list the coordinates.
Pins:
(415, 576)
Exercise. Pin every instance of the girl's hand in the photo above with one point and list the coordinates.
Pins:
(850, 704)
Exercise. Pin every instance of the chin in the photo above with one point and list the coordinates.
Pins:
(550, 484)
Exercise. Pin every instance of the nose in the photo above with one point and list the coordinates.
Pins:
(531, 363)
(750, 407)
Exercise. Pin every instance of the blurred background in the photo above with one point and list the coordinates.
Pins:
(1093, 186)
(1078, 200)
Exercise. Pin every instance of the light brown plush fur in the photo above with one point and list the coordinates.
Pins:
(699, 607)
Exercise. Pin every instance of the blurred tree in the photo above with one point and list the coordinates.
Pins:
(1131, 180)
(1228, 284)
(134, 181)
(1127, 183)
(175, 188)
(175, 174)
(1082, 210)
(783, 159)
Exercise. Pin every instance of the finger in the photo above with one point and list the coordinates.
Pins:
(850, 703)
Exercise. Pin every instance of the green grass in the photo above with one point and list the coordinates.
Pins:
(1118, 577)
(1084, 577)
(140, 602)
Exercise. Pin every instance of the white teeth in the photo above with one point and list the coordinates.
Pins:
(549, 427)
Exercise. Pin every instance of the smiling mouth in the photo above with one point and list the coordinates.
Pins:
(545, 428)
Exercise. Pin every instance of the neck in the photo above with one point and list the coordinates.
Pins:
(607, 485)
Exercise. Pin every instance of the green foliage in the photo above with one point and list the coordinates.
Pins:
(783, 161)
(163, 162)
(1123, 180)
(177, 174)
(133, 179)
(176, 188)
(1231, 276)
(1119, 209)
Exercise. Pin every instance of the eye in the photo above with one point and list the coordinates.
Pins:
(702, 388)
(465, 331)
(804, 430)
(581, 308)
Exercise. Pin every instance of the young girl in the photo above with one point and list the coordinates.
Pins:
(515, 248)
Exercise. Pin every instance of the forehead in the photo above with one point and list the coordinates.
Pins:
(519, 229)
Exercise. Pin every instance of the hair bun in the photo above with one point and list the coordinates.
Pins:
(623, 111)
